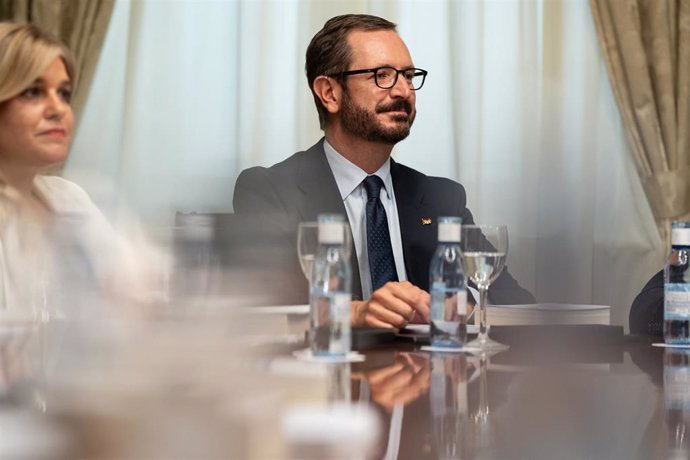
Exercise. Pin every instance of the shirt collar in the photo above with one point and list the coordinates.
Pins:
(349, 176)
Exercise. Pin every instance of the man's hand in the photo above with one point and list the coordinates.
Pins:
(393, 305)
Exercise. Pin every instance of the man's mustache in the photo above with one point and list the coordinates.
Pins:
(395, 107)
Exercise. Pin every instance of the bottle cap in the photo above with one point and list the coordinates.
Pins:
(449, 232)
(331, 232)
(680, 236)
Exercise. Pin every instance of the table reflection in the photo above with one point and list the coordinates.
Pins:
(449, 406)
(400, 383)
(111, 388)
(424, 401)
(595, 401)
(339, 383)
(677, 402)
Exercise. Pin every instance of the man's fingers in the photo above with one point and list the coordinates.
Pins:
(373, 320)
(384, 314)
(412, 296)
(389, 296)
(393, 305)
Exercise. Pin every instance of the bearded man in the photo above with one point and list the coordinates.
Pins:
(364, 85)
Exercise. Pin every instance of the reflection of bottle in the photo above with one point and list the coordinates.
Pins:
(677, 401)
(448, 401)
(448, 283)
(339, 383)
(677, 286)
(329, 317)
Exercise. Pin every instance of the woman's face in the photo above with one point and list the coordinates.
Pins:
(36, 125)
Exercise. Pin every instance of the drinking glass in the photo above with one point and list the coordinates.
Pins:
(308, 243)
(484, 249)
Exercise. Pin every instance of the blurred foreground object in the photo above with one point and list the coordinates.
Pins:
(340, 431)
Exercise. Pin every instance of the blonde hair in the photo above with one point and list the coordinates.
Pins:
(25, 52)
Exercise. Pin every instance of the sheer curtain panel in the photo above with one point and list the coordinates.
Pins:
(517, 107)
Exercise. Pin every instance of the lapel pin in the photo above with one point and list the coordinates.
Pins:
(426, 220)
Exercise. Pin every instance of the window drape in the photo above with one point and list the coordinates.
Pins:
(646, 47)
(517, 107)
(80, 24)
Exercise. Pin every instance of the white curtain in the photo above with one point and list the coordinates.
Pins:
(517, 107)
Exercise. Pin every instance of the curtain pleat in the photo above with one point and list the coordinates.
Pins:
(80, 24)
(646, 47)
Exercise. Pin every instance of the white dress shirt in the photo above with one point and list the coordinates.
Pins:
(349, 179)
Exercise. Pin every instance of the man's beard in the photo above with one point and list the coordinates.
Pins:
(360, 122)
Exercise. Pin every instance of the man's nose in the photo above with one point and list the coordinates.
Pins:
(401, 88)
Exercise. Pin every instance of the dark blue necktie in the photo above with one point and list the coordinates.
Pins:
(381, 262)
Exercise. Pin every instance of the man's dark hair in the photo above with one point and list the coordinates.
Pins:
(329, 52)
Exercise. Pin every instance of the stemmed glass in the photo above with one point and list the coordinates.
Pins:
(484, 249)
(308, 244)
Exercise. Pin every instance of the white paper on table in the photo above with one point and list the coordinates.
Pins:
(279, 310)
(424, 328)
(548, 313)
(284, 323)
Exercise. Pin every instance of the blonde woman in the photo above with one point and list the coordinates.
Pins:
(52, 237)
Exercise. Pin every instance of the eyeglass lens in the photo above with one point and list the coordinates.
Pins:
(387, 77)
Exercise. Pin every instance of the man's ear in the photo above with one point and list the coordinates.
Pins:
(329, 91)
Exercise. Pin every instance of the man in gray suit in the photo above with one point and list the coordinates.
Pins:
(364, 85)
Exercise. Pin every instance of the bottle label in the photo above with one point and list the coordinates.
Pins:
(442, 298)
(340, 334)
(462, 303)
(438, 297)
(676, 300)
(341, 307)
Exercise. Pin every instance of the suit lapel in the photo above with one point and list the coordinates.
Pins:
(409, 198)
(316, 181)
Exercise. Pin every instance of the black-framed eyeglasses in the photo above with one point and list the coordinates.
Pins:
(386, 77)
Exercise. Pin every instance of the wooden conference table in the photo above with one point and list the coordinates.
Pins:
(174, 389)
(559, 392)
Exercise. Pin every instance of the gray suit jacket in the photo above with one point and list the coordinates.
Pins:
(302, 186)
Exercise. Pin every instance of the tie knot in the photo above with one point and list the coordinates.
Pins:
(373, 184)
